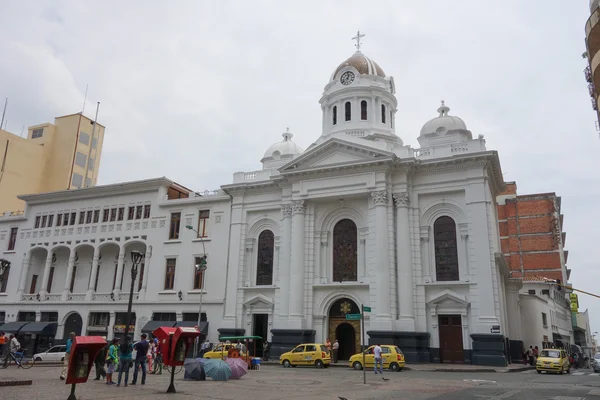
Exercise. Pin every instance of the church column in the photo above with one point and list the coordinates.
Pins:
(284, 263)
(120, 267)
(405, 275)
(24, 273)
(297, 261)
(46, 276)
(70, 267)
(480, 220)
(92, 282)
(382, 262)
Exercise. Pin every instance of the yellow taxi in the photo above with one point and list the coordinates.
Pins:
(306, 354)
(221, 351)
(392, 356)
(553, 360)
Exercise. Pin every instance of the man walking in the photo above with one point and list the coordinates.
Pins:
(140, 359)
(2, 343)
(99, 362)
(378, 359)
(335, 347)
(63, 373)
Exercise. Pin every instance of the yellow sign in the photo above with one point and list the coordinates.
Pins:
(574, 302)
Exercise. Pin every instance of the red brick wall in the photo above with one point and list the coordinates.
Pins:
(527, 234)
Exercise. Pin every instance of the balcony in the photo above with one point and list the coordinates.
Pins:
(252, 176)
(592, 33)
(84, 230)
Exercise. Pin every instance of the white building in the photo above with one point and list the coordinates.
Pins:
(356, 219)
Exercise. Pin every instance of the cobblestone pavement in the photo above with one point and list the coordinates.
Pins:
(274, 383)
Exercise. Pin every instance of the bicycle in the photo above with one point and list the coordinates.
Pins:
(18, 358)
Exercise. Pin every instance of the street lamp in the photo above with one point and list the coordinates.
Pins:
(136, 259)
(202, 266)
(4, 266)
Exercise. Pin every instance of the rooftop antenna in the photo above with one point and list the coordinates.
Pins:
(84, 98)
(4, 112)
(87, 169)
(22, 130)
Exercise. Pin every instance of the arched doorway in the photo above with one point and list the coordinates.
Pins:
(73, 323)
(347, 332)
(346, 335)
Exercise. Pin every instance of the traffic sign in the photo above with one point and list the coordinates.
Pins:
(366, 309)
(353, 316)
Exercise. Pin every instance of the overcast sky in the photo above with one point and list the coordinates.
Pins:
(197, 90)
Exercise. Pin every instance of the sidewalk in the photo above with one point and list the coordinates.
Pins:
(430, 367)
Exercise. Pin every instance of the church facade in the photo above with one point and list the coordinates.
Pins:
(361, 219)
(357, 219)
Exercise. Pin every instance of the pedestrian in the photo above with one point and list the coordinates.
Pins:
(204, 347)
(63, 373)
(2, 343)
(125, 360)
(530, 355)
(536, 354)
(266, 348)
(150, 355)
(99, 362)
(328, 345)
(112, 360)
(378, 359)
(141, 348)
(158, 360)
(335, 348)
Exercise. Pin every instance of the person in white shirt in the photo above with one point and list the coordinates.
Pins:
(14, 344)
(335, 347)
(378, 359)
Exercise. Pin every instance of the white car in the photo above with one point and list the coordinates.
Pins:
(55, 353)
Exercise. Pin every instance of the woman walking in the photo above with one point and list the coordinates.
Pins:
(125, 360)
(112, 360)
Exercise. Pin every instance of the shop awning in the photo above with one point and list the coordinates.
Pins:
(12, 327)
(40, 328)
(203, 325)
(152, 325)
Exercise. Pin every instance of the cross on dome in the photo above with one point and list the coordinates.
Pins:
(357, 38)
(287, 135)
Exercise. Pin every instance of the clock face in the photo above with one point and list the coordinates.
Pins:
(347, 78)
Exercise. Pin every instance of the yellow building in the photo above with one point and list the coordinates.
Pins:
(53, 157)
(592, 40)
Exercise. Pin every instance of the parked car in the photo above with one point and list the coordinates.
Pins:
(54, 353)
(393, 358)
(309, 354)
(596, 362)
(553, 360)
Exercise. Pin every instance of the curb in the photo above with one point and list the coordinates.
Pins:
(16, 383)
(415, 368)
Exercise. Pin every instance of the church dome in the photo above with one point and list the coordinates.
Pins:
(284, 149)
(443, 123)
(363, 64)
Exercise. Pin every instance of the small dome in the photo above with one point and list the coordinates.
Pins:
(443, 123)
(363, 64)
(285, 148)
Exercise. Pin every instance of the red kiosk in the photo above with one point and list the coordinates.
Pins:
(174, 345)
(81, 358)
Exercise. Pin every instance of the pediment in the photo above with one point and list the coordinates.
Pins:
(259, 301)
(447, 297)
(336, 152)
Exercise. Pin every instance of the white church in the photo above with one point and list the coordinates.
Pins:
(357, 219)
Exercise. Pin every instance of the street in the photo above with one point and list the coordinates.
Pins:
(273, 383)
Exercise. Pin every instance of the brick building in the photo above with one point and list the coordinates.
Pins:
(531, 235)
(532, 242)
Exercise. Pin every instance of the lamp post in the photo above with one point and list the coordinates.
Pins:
(136, 259)
(4, 266)
(202, 266)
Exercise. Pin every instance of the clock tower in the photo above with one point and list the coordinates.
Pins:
(359, 100)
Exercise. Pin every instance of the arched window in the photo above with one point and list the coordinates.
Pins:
(348, 107)
(334, 115)
(383, 113)
(345, 248)
(264, 261)
(446, 249)
(363, 110)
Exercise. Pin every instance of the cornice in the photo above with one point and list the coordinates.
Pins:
(98, 191)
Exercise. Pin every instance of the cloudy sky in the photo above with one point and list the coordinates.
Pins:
(197, 90)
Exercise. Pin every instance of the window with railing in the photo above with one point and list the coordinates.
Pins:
(174, 226)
